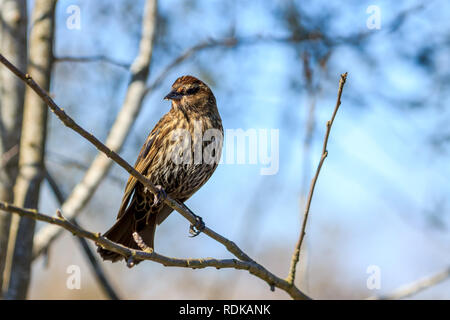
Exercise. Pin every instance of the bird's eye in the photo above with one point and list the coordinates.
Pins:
(192, 90)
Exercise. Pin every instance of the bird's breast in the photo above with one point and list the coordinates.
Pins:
(190, 156)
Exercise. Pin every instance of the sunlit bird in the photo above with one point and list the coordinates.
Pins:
(178, 157)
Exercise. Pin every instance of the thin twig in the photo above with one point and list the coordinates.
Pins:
(227, 42)
(416, 286)
(313, 92)
(98, 271)
(96, 58)
(174, 204)
(134, 255)
(9, 155)
(69, 162)
(296, 254)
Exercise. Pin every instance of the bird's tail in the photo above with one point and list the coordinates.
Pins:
(122, 232)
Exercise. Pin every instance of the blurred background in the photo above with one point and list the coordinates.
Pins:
(382, 195)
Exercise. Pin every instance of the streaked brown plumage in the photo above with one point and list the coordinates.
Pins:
(193, 110)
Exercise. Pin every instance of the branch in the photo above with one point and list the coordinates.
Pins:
(69, 122)
(313, 92)
(134, 255)
(227, 42)
(256, 269)
(415, 287)
(131, 106)
(7, 156)
(70, 162)
(96, 58)
(224, 42)
(99, 273)
(296, 254)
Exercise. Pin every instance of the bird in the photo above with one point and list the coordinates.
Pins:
(179, 156)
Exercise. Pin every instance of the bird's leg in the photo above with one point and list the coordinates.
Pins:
(197, 228)
(159, 196)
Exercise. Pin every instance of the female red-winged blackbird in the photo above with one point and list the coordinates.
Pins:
(179, 156)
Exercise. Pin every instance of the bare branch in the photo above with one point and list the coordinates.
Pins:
(296, 254)
(13, 44)
(313, 92)
(96, 58)
(69, 162)
(7, 156)
(229, 42)
(416, 286)
(135, 255)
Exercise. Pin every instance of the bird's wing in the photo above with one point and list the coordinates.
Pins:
(146, 155)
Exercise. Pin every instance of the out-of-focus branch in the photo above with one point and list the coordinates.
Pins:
(296, 254)
(69, 162)
(134, 255)
(306, 35)
(313, 91)
(257, 270)
(131, 106)
(7, 156)
(309, 124)
(97, 58)
(229, 42)
(32, 149)
(13, 44)
(416, 286)
(99, 273)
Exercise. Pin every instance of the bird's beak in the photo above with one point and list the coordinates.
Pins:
(173, 95)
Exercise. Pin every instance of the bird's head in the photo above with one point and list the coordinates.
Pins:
(189, 92)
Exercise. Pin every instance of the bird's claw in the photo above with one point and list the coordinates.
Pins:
(197, 228)
(159, 196)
